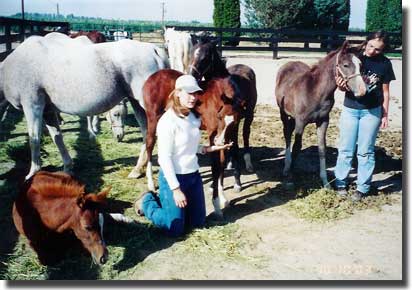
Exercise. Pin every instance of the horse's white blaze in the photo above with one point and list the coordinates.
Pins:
(359, 87)
(122, 218)
(101, 223)
(288, 161)
(196, 53)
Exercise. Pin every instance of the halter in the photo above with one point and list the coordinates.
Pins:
(339, 71)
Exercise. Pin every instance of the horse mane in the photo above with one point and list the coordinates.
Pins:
(53, 185)
(323, 61)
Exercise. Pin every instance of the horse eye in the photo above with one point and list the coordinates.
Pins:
(345, 65)
(89, 228)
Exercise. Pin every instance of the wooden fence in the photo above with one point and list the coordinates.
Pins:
(16, 30)
(276, 40)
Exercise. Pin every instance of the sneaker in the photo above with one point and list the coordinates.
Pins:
(357, 196)
(138, 207)
(342, 192)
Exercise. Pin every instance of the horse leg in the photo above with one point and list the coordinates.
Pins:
(288, 127)
(322, 126)
(4, 105)
(150, 142)
(246, 135)
(33, 114)
(219, 200)
(234, 152)
(140, 116)
(96, 124)
(52, 123)
(297, 145)
(92, 134)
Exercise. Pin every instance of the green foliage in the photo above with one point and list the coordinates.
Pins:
(226, 14)
(321, 14)
(218, 13)
(332, 14)
(277, 13)
(384, 15)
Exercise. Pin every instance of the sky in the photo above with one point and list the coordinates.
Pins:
(182, 10)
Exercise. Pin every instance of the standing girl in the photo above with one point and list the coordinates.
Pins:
(361, 117)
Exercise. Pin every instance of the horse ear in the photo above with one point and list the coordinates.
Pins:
(357, 50)
(345, 46)
(102, 195)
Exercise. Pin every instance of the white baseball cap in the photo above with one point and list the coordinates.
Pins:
(187, 83)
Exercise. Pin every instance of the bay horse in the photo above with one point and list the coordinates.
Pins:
(306, 95)
(207, 63)
(53, 210)
(55, 73)
(219, 109)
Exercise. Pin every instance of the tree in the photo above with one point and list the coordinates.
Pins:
(218, 13)
(384, 15)
(279, 13)
(226, 14)
(332, 14)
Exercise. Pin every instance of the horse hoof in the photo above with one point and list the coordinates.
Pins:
(250, 169)
(327, 186)
(237, 188)
(135, 173)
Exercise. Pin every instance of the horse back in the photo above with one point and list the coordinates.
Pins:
(245, 79)
(157, 89)
(289, 78)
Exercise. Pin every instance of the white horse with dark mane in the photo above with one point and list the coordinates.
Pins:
(46, 75)
(179, 46)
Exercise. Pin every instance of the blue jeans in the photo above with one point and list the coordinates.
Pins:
(357, 127)
(164, 213)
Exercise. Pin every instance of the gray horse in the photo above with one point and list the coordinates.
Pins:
(46, 75)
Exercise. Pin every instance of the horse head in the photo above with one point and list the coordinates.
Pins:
(206, 61)
(348, 67)
(117, 117)
(221, 109)
(88, 225)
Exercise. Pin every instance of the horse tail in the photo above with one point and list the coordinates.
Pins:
(162, 59)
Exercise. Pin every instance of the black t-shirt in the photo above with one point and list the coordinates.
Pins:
(376, 71)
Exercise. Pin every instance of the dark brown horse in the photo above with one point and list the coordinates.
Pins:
(306, 95)
(94, 35)
(215, 106)
(207, 63)
(54, 206)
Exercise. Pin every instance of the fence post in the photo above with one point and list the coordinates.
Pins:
(7, 34)
(220, 49)
(22, 31)
(274, 45)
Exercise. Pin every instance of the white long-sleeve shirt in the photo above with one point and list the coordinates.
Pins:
(178, 143)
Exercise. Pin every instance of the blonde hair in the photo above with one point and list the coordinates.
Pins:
(180, 110)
